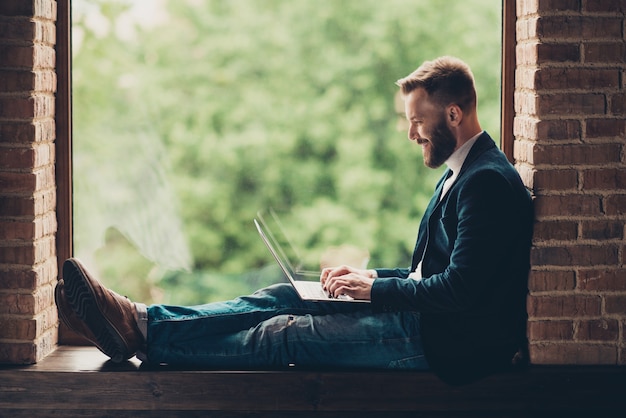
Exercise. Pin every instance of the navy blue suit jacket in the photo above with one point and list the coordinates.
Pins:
(474, 245)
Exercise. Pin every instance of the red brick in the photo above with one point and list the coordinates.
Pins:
(17, 29)
(17, 132)
(525, 77)
(558, 129)
(16, 8)
(525, 28)
(27, 158)
(556, 6)
(571, 104)
(556, 230)
(615, 204)
(18, 352)
(45, 9)
(17, 304)
(554, 180)
(29, 277)
(13, 158)
(17, 206)
(603, 230)
(45, 225)
(17, 182)
(44, 177)
(568, 205)
(23, 254)
(522, 150)
(28, 207)
(618, 104)
(45, 32)
(576, 78)
(561, 52)
(28, 131)
(573, 353)
(13, 107)
(45, 81)
(604, 6)
(575, 255)
(544, 53)
(605, 52)
(598, 330)
(601, 27)
(38, 106)
(579, 27)
(28, 253)
(18, 329)
(550, 330)
(604, 179)
(602, 280)
(40, 8)
(564, 306)
(18, 279)
(17, 56)
(11, 230)
(615, 304)
(596, 128)
(44, 57)
(45, 201)
(551, 280)
(525, 103)
(566, 154)
(27, 304)
(17, 81)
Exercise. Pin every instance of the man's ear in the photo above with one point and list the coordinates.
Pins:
(454, 115)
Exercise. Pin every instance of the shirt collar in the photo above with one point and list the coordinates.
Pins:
(456, 160)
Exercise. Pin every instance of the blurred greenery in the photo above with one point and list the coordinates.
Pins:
(187, 124)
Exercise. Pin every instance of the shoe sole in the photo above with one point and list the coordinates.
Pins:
(64, 318)
(81, 296)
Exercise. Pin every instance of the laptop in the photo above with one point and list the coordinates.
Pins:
(307, 289)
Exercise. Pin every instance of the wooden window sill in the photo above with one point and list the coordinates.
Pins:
(79, 381)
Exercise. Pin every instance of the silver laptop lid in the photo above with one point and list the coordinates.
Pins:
(274, 249)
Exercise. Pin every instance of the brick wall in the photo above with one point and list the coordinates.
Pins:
(570, 131)
(28, 267)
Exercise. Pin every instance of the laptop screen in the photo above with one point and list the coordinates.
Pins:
(275, 232)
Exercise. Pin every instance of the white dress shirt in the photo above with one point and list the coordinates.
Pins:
(454, 163)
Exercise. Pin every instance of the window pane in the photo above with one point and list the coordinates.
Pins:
(191, 115)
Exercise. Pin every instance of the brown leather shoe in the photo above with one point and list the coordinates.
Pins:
(109, 317)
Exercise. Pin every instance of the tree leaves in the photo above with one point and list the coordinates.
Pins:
(242, 105)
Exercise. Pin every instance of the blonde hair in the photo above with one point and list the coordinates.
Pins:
(447, 80)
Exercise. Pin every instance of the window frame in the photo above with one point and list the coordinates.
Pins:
(64, 238)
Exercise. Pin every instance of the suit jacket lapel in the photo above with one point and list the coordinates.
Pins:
(422, 236)
(483, 143)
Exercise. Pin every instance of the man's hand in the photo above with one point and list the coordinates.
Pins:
(346, 280)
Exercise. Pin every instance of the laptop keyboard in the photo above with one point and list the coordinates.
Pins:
(312, 290)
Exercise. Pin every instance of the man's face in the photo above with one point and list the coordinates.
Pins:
(428, 128)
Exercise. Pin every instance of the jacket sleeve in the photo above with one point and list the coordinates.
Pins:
(473, 236)
(398, 272)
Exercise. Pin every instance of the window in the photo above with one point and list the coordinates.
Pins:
(64, 145)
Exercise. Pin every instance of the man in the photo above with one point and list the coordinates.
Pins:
(459, 309)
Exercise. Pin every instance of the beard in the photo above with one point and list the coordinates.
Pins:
(442, 145)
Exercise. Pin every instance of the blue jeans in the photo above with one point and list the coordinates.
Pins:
(274, 328)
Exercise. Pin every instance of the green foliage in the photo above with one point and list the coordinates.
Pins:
(185, 131)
